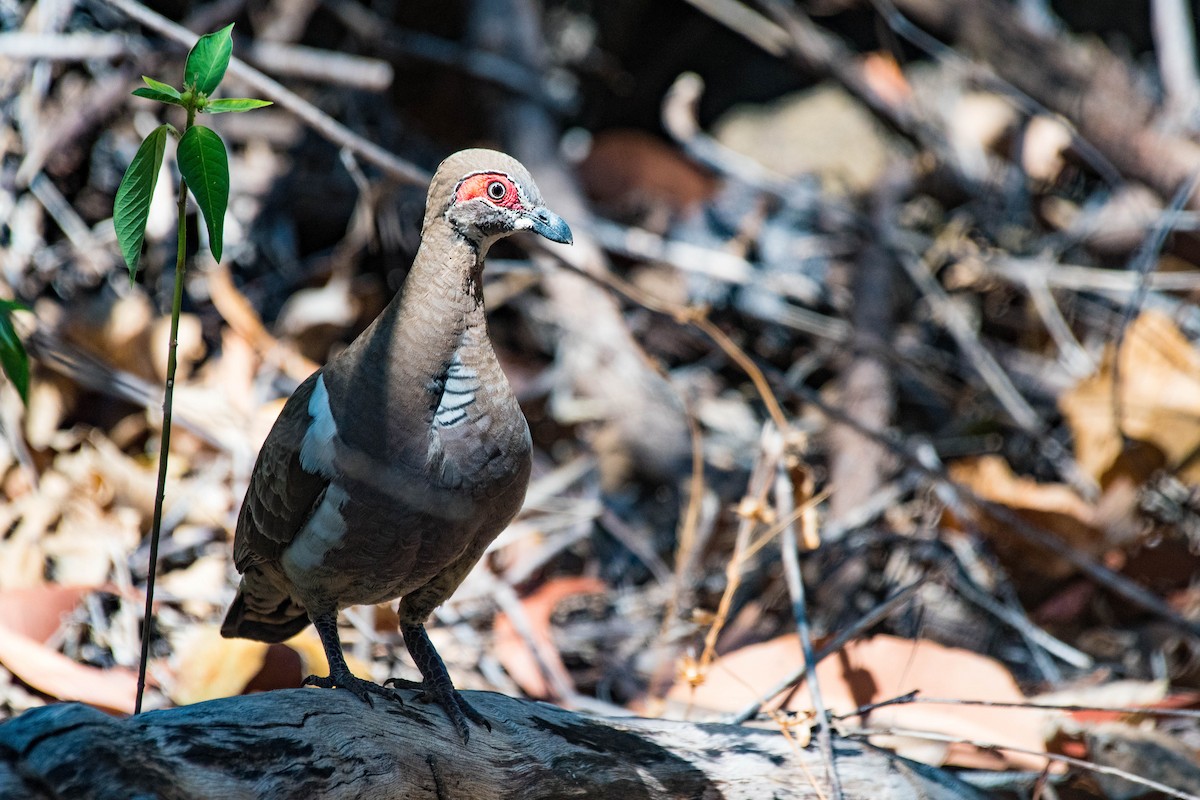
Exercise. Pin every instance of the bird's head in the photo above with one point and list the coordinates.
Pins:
(486, 195)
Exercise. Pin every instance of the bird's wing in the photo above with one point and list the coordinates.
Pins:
(282, 494)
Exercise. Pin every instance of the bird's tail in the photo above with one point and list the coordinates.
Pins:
(282, 621)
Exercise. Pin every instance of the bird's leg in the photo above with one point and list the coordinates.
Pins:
(339, 674)
(437, 685)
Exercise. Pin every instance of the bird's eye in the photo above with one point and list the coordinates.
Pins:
(496, 190)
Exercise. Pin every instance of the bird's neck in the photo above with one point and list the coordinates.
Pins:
(387, 376)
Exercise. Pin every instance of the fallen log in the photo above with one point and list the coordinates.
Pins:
(305, 743)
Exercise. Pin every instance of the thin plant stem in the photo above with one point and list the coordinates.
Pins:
(165, 440)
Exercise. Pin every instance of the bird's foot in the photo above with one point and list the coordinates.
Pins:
(359, 687)
(456, 707)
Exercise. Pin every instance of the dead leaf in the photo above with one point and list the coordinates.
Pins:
(53, 674)
(37, 611)
(211, 666)
(1052, 507)
(1159, 375)
(885, 667)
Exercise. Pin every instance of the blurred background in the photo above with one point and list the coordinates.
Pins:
(898, 291)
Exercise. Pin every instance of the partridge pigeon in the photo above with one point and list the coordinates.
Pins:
(391, 468)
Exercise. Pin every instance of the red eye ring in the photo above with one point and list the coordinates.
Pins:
(494, 187)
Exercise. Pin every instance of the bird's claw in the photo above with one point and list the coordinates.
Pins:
(453, 703)
(359, 687)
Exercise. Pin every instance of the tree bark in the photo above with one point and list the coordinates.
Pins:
(305, 743)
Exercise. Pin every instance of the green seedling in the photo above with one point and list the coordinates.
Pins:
(204, 170)
(13, 357)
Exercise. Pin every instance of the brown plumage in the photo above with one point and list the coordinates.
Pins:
(392, 467)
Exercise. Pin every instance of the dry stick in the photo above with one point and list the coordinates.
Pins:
(959, 328)
(1075, 278)
(506, 598)
(63, 46)
(1075, 762)
(790, 545)
(753, 503)
(915, 698)
(1176, 50)
(1018, 621)
(319, 121)
(395, 43)
(1074, 357)
(326, 66)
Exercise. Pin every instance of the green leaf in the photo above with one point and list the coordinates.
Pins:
(12, 353)
(207, 61)
(159, 86)
(234, 104)
(205, 167)
(162, 97)
(131, 208)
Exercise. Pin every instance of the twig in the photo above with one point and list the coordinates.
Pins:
(318, 120)
(1175, 47)
(695, 528)
(325, 66)
(550, 665)
(63, 46)
(914, 698)
(1075, 762)
(717, 264)
(789, 546)
(749, 511)
(1088, 279)
(984, 364)
(681, 119)
(1017, 620)
(749, 23)
(1072, 354)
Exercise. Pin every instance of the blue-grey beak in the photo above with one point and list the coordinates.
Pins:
(550, 225)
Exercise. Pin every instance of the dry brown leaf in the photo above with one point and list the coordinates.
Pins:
(514, 652)
(1159, 374)
(54, 674)
(1050, 506)
(885, 667)
(37, 611)
(211, 666)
